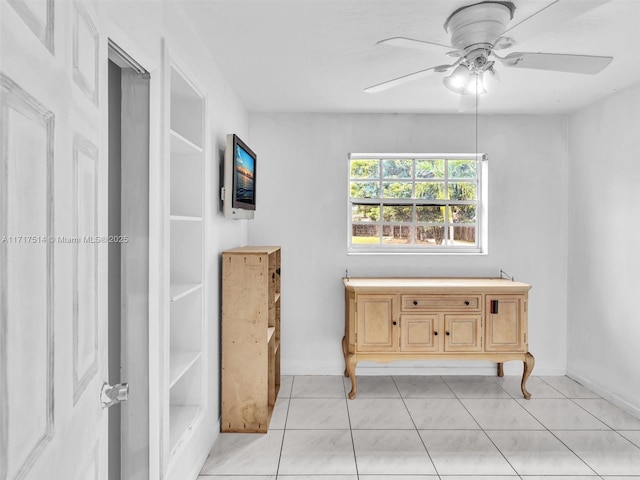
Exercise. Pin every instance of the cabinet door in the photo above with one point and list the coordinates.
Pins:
(504, 329)
(419, 333)
(376, 331)
(462, 333)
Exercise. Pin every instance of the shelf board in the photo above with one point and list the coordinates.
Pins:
(181, 418)
(181, 290)
(180, 144)
(179, 363)
(184, 218)
(270, 332)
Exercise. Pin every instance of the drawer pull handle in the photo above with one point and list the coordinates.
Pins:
(466, 302)
(447, 333)
(415, 302)
(435, 333)
(395, 323)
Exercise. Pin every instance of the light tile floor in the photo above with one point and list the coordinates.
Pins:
(422, 428)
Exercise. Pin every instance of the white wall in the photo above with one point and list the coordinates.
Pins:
(139, 27)
(302, 205)
(604, 247)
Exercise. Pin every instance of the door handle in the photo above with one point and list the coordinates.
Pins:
(113, 394)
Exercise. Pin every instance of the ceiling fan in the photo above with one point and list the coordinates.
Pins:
(478, 30)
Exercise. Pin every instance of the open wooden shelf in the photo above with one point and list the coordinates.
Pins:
(250, 367)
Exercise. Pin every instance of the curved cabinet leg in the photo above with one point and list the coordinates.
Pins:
(351, 371)
(500, 369)
(529, 363)
(344, 353)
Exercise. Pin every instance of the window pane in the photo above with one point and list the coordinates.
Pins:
(397, 168)
(430, 190)
(365, 213)
(397, 213)
(429, 236)
(365, 189)
(464, 236)
(430, 169)
(462, 169)
(365, 168)
(396, 234)
(365, 234)
(430, 213)
(463, 213)
(397, 189)
(462, 191)
(430, 202)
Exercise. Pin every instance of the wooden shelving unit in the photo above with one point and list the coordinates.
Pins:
(185, 248)
(250, 337)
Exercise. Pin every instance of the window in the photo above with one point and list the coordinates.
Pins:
(416, 203)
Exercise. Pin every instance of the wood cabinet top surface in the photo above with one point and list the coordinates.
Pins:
(434, 284)
(252, 249)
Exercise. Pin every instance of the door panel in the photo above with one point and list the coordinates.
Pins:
(419, 333)
(376, 332)
(504, 323)
(462, 333)
(53, 293)
(26, 279)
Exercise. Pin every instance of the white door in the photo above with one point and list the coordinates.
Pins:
(53, 250)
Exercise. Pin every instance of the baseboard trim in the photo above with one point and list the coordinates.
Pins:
(604, 393)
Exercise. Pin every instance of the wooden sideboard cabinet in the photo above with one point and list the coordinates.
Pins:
(389, 319)
(250, 338)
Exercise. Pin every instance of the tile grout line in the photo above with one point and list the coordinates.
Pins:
(564, 397)
(573, 400)
(284, 428)
(482, 429)
(353, 443)
(416, 428)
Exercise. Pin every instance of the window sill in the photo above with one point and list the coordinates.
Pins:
(357, 251)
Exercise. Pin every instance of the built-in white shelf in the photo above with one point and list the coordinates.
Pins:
(181, 361)
(181, 417)
(185, 218)
(185, 372)
(181, 290)
(182, 145)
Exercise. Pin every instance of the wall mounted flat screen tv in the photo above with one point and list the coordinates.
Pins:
(244, 175)
(240, 179)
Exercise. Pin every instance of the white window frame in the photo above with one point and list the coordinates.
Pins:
(481, 224)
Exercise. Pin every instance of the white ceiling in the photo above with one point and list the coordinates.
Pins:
(319, 55)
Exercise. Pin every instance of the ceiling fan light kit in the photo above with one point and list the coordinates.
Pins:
(476, 31)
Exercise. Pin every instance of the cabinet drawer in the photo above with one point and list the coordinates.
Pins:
(467, 303)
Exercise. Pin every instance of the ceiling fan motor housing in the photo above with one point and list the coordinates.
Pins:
(478, 25)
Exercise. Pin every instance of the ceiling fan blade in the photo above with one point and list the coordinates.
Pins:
(556, 13)
(405, 78)
(586, 64)
(411, 43)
